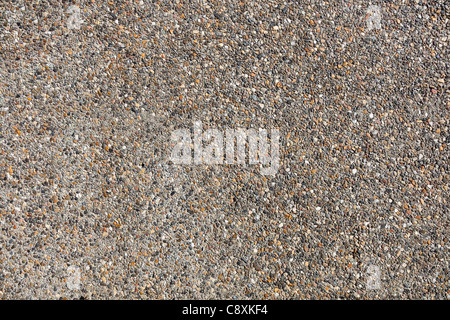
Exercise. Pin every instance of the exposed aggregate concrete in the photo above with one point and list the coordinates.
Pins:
(86, 117)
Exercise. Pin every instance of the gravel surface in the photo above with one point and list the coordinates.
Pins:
(92, 207)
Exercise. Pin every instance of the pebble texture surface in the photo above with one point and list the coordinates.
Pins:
(88, 103)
